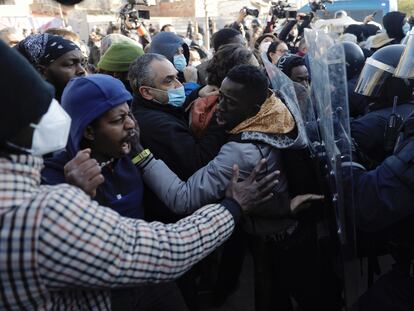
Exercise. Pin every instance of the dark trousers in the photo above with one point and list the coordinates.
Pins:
(394, 291)
(296, 271)
(154, 297)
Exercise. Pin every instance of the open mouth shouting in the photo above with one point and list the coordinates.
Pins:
(126, 143)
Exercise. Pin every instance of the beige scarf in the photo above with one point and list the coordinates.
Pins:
(273, 118)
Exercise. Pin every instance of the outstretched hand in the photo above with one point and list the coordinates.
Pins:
(252, 192)
(368, 18)
(242, 15)
(298, 203)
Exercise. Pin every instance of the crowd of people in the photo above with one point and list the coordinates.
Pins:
(133, 175)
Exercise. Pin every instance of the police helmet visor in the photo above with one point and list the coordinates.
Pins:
(405, 68)
(373, 77)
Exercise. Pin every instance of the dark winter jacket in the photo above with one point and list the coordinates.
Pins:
(358, 104)
(368, 131)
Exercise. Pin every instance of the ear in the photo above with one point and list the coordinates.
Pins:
(145, 93)
(89, 133)
(42, 70)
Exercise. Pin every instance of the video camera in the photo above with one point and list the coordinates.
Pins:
(251, 12)
(319, 5)
(279, 9)
(132, 20)
(130, 16)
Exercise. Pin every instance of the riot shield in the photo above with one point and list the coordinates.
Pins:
(307, 110)
(330, 97)
(405, 68)
(284, 86)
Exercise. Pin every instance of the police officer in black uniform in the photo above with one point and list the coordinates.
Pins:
(376, 82)
(355, 60)
(384, 196)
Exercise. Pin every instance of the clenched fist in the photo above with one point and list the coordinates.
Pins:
(84, 172)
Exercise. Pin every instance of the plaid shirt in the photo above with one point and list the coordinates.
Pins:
(59, 250)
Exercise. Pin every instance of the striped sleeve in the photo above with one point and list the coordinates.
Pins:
(87, 245)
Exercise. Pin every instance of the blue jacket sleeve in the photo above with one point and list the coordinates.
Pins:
(381, 199)
(52, 172)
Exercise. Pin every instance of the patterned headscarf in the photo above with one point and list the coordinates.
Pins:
(44, 49)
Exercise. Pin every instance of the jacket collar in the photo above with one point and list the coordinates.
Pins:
(25, 170)
(140, 101)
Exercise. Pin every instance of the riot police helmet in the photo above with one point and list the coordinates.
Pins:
(354, 58)
(378, 71)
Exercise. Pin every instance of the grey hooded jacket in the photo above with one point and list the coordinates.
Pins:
(209, 183)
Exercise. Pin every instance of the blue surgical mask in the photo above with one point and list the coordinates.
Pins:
(180, 62)
(199, 42)
(406, 28)
(176, 97)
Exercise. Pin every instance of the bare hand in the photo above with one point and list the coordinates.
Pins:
(84, 172)
(297, 204)
(250, 192)
(368, 18)
(209, 90)
(190, 74)
(242, 16)
(299, 16)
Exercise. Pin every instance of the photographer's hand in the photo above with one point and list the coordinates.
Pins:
(242, 16)
(368, 18)
(300, 16)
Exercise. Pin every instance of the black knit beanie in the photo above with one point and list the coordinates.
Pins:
(287, 62)
(24, 95)
(224, 36)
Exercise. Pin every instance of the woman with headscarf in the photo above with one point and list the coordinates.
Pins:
(57, 59)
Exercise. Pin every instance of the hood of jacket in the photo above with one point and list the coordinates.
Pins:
(87, 98)
(393, 22)
(289, 133)
(167, 43)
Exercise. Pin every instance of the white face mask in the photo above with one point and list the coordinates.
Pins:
(51, 134)
(264, 46)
